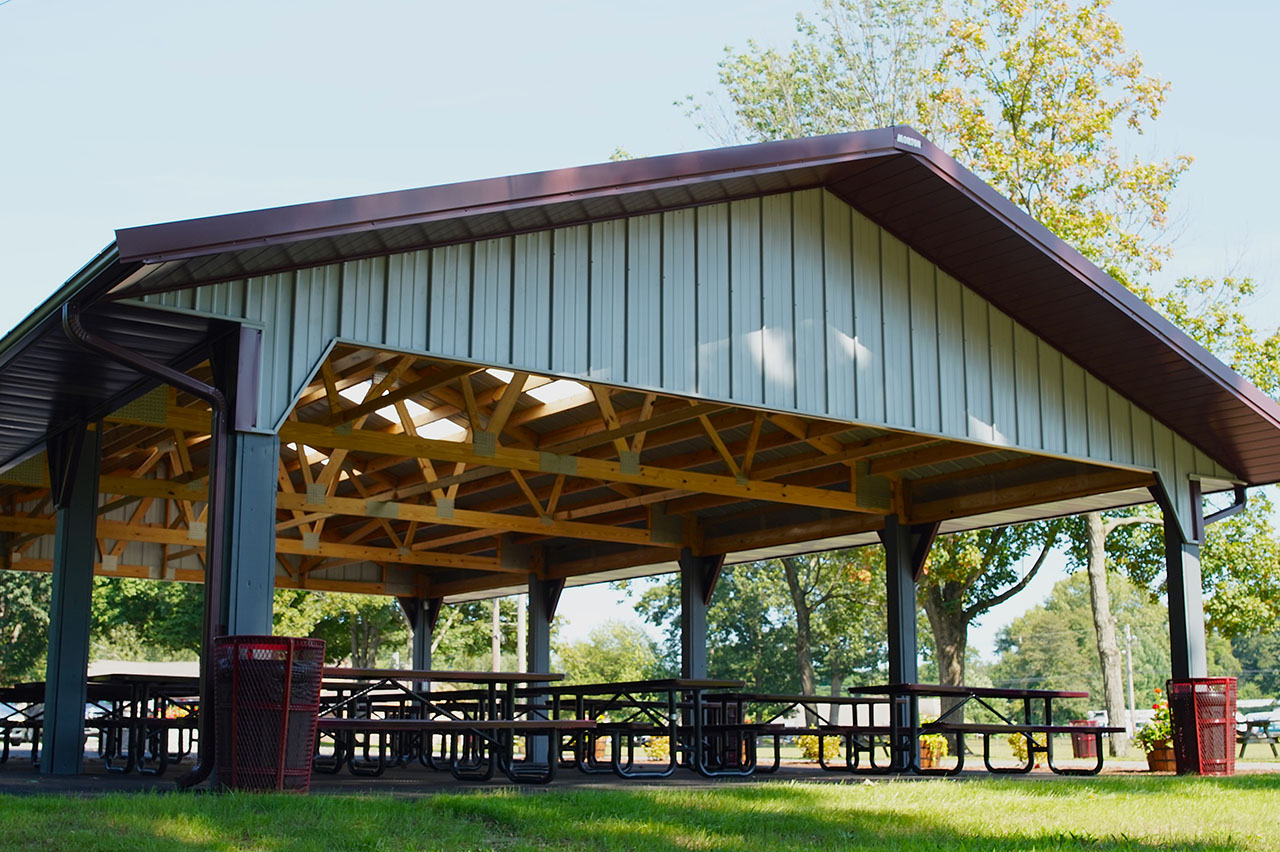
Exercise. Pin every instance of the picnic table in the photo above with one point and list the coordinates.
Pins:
(152, 722)
(1259, 728)
(1034, 722)
(708, 730)
(400, 711)
(860, 736)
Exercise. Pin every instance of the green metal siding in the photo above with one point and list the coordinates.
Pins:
(792, 301)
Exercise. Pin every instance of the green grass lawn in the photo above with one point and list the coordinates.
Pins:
(983, 814)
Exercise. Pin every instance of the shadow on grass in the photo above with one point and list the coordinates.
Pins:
(1000, 816)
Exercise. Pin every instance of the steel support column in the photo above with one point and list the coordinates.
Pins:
(1188, 653)
(905, 550)
(544, 597)
(422, 614)
(73, 475)
(698, 575)
(253, 464)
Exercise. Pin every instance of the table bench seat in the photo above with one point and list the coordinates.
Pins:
(489, 749)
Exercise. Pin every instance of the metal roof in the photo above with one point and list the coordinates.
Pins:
(893, 175)
(47, 382)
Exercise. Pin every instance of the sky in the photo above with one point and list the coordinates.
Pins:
(128, 113)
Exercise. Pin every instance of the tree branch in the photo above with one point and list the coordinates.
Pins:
(1111, 525)
(982, 606)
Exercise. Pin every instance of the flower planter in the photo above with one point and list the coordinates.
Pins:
(928, 760)
(1162, 760)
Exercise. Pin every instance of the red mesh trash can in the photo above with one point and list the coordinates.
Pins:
(1084, 745)
(267, 694)
(1203, 711)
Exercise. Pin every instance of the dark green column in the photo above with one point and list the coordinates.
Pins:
(254, 461)
(698, 576)
(73, 477)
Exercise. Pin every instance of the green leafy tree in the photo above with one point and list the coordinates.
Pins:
(24, 625)
(365, 629)
(837, 598)
(858, 64)
(136, 619)
(613, 652)
(966, 575)
(750, 629)
(1259, 656)
(463, 638)
(1053, 645)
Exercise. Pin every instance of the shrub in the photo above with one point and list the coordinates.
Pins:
(809, 747)
(658, 749)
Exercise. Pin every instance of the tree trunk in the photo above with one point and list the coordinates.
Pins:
(804, 634)
(950, 628)
(496, 645)
(837, 690)
(1105, 625)
(950, 634)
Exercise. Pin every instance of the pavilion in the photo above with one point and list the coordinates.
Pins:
(595, 373)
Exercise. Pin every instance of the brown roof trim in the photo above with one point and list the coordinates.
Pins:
(895, 176)
(1116, 294)
(255, 228)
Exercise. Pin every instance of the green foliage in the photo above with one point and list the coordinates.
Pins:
(1054, 645)
(750, 626)
(463, 638)
(146, 619)
(365, 630)
(1036, 96)
(1259, 656)
(612, 652)
(658, 749)
(853, 67)
(1240, 567)
(24, 625)
(842, 593)
(809, 747)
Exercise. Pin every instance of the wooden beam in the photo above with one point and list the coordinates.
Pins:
(189, 575)
(464, 518)
(935, 454)
(161, 535)
(422, 384)
(1029, 494)
(587, 468)
(399, 556)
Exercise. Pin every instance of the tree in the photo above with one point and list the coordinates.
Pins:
(613, 652)
(835, 597)
(354, 627)
(1037, 97)
(463, 638)
(1054, 645)
(146, 619)
(24, 625)
(966, 575)
(750, 629)
(860, 64)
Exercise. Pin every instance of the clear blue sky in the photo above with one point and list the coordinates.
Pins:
(125, 113)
